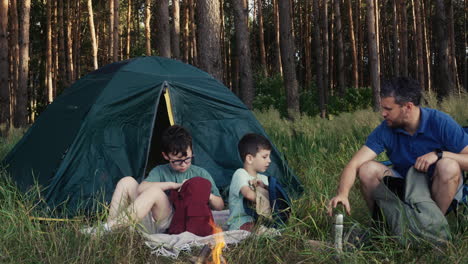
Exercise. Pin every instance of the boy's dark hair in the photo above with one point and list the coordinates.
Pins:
(176, 139)
(252, 144)
(403, 89)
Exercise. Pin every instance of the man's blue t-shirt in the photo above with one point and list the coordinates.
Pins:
(436, 130)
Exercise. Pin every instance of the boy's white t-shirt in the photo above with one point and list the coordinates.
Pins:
(237, 215)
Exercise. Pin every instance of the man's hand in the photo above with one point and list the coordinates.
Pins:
(337, 200)
(423, 162)
(258, 183)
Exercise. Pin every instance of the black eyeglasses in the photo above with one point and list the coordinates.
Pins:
(179, 162)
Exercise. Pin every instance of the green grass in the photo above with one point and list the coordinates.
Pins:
(316, 149)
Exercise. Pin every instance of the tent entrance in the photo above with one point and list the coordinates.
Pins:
(163, 120)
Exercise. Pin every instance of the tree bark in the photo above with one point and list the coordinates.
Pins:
(326, 54)
(175, 36)
(129, 26)
(111, 30)
(373, 53)
(452, 55)
(14, 55)
(163, 42)
(148, 27)
(353, 45)
(93, 34)
(61, 52)
(4, 70)
(318, 56)
(339, 36)
(427, 50)
(193, 35)
(396, 44)
(116, 31)
(403, 39)
(261, 38)
(49, 85)
(287, 58)
(208, 37)
(70, 63)
(419, 43)
(22, 95)
(445, 84)
(243, 51)
(278, 60)
(186, 31)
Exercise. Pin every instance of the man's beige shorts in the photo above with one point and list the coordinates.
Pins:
(150, 226)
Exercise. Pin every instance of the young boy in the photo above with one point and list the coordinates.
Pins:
(255, 152)
(149, 198)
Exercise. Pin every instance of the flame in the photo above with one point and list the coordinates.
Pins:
(220, 244)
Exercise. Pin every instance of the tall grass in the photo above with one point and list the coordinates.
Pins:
(315, 148)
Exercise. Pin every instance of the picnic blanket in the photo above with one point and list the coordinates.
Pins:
(171, 245)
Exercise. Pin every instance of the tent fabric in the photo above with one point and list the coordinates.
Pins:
(107, 125)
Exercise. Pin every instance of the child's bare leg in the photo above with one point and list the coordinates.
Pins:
(124, 194)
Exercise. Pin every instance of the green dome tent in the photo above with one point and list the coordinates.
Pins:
(107, 125)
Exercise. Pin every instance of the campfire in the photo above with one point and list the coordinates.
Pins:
(212, 253)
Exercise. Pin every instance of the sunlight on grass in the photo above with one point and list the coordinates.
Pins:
(316, 149)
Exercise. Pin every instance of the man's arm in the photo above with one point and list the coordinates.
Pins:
(348, 176)
(426, 160)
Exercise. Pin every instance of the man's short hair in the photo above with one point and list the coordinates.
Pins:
(252, 144)
(176, 139)
(403, 89)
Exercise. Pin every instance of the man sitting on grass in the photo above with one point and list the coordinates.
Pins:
(425, 138)
(131, 201)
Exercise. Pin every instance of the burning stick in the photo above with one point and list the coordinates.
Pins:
(203, 256)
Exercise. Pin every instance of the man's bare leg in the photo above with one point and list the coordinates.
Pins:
(370, 175)
(445, 182)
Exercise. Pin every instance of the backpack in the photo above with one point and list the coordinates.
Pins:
(191, 208)
(279, 202)
(412, 215)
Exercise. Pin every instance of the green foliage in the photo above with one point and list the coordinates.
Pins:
(270, 93)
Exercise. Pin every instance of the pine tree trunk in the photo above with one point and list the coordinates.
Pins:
(243, 51)
(317, 46)
(111, 30)
(287, 57)
(339, 36)
(76, 40)
(116, 32)
(452, 55)
(148, 27)
(208, 37)
(49, 85)
(373, 53)
(4, 70)
(353, 45)
(307, 38)
(403, 39)
(326, 54)
(129, 26)
(186, 32)
(396, 44)
(445, 84)
(278, 60)
(14, 56)
(163, 41)
(61, 53)
(22, 95)
(70, 63)
(419, 43)
(261, 38)
(427, 50)
(93, 34)
(175, 36)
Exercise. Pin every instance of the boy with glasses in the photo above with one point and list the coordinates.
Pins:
(133, 201)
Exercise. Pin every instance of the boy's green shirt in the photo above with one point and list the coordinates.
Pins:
(164, 173)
